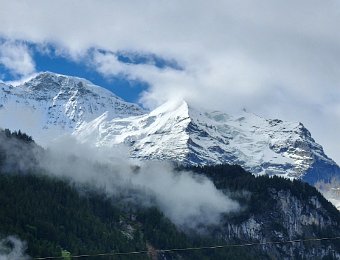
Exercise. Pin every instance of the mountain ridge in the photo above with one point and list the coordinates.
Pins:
(57, 104)
(174, 131)
(178, 132)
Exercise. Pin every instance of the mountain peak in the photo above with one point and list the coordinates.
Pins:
(171, 106)
(60, 103)
(57, 76)
(178, 132)
(49, 82)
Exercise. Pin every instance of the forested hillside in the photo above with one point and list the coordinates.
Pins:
(53, 214)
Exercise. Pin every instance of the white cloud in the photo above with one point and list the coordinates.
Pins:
(280, 59)
(16, 57)
(12, 248)
(153, 184)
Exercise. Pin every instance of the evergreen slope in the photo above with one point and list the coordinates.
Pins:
(52, 215)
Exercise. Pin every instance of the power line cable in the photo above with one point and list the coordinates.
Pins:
(193, 248)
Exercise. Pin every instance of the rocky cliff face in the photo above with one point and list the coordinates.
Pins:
(290, 220)
(277, 210)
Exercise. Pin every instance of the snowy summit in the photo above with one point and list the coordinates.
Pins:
(58, 104)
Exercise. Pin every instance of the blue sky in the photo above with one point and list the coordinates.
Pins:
(48, 58)
(125, 88)
(121, 86)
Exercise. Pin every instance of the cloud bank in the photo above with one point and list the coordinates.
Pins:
(11, 248)
(278, 59)
(188, 200)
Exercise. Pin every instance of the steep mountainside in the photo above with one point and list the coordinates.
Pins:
(178, 132)
(276, 209)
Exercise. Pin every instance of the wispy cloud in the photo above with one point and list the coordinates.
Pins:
(189, 200)
(16, 58)
(175, 193)
(12, 248)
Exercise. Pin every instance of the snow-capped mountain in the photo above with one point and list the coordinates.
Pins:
(50, 105)
(178, 132)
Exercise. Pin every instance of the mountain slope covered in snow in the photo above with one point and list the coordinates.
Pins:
(178, 132)
(51, 105)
